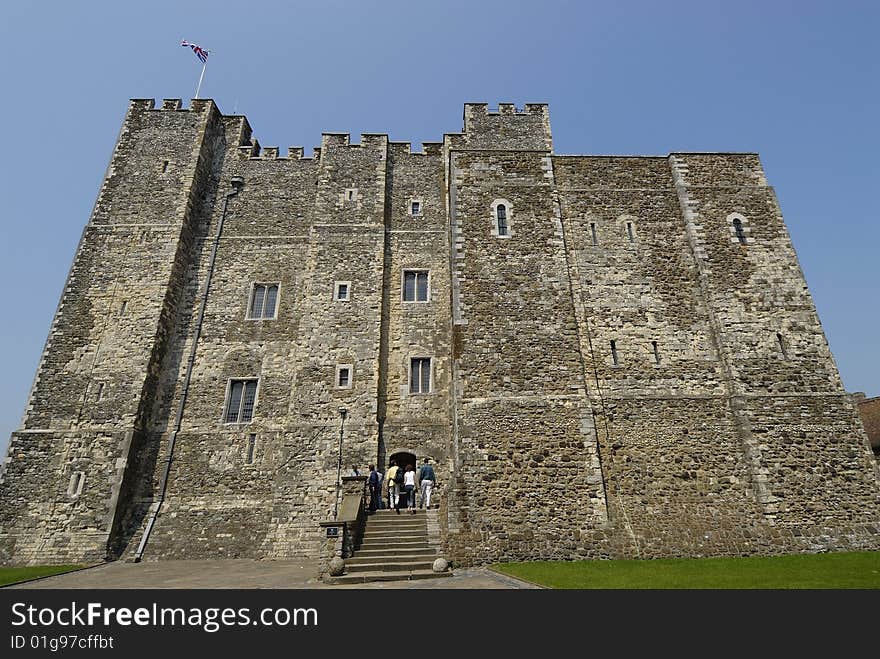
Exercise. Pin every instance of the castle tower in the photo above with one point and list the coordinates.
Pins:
(603, 356)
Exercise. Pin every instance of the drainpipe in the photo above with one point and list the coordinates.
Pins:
(237, 184)
(342, 413)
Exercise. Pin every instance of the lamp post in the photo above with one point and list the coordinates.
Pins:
(342, 413)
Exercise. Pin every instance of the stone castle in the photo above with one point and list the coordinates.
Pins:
(603, 356)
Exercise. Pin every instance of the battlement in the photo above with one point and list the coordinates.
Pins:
(368, 140)
(474, 109)
(255, 152)
(507, 127)
(400, 149)
(171, 105)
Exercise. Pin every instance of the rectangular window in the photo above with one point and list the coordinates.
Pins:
(416, 207)
(263, 301)
(420, 375)
(593, 236)
(343, 376)
(242, 397)
(415, 285)
(341, 291)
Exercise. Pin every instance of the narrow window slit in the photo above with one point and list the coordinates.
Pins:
(252, 440)
(74, 488)
(656, 352)
(781, 341)
(593, 235)
(629, 232)
(738, 228)
(501, 214)
(614, 353)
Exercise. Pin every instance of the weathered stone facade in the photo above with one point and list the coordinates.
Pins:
(631, 366)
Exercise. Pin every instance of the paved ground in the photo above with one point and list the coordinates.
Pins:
(248, 574)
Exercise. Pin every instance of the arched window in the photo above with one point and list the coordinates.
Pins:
(738, 229)
(501, 217)
(501, 213)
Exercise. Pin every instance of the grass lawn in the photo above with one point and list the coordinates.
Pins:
(10, 575)
(838, 570)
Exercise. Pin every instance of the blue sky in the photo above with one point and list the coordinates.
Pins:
(795, 81)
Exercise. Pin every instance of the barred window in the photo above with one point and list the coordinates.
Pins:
(415, 285)
(420, 375)
(342, 291)
(502, 214)
(343, 376)
(263, 301)
(502, 220)
(241, 400)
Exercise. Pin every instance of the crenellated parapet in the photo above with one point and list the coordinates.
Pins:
(508, 128)
(400, 149)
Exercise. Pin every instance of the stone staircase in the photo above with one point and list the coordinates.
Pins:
(395, 547)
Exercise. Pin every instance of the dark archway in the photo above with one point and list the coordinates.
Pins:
(403, 458)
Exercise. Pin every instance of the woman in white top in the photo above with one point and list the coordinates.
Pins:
(409, 485)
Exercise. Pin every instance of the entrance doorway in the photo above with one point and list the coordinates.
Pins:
(403, 459)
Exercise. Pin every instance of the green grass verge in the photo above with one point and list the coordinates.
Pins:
(838, 570)
(10, 575)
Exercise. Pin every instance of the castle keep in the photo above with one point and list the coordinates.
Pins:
(604, 356)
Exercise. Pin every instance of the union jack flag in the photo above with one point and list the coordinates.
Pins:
(200, 52)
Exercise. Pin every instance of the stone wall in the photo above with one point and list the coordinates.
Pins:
(97, 373)
(627, 373)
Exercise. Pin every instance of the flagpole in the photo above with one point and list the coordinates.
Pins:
(199, 87)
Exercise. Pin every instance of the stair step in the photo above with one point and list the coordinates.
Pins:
(409, 550)
(402, 547)
(407, 535)
(419, 563)
(390, 512)
(395, 520)
(390, 559)
(366, 577)
(393, 528)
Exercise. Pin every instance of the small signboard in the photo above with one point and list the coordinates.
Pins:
(332, 531)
